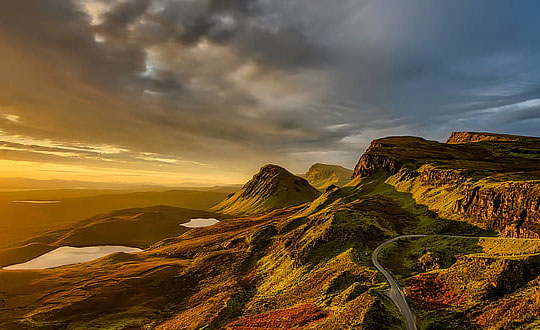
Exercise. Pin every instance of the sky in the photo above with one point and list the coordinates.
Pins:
(208, 91)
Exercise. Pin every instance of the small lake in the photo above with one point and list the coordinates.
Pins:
(198, 223)
(67, 255)
(37, 202)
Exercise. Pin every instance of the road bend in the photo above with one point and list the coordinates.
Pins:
(395, 293)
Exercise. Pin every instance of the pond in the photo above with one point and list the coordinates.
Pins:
(197, 223)
(37, 202)
(67, 255)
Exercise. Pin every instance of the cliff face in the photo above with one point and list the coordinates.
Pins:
(512, 208)
(466, 137)
(492, 183)
(370, 162)
(309, 266)
(272, 188)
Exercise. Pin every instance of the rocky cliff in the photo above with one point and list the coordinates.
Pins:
(492, 180)
(273, 187)
(466, 137)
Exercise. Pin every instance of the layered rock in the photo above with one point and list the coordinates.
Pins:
(512, 208)
(494, 184)
(466, 137)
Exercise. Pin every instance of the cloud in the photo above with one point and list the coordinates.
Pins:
(234, 84)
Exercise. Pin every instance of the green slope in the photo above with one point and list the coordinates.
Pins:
(321, 176)
(272, 188)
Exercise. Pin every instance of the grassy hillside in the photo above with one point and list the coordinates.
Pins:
(321, 176)
(309, 266)
(306, 266)
(458, 283)
(21, 221)
(272, 188)
(493, 183)
(139, 227)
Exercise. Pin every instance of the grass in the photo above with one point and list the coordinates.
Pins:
(270, 189)
(426, 221)
(139, 227)
(260, 270)
(445, 176)
(321, 176)
(496, 277)
(402, 257)
(20, 222)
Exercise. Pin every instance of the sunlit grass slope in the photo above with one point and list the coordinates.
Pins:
(321, 176)
(22, 221)
(139, 227)
(272, 188)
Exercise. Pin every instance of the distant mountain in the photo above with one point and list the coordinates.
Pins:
(272, 188)
(321, 176)
(13, 184)
(27, 183)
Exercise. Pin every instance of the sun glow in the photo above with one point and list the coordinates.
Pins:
(50, 171)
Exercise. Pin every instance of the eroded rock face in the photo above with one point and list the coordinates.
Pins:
(370, 162)
(466, 137)
(494, 183)
(512, 208)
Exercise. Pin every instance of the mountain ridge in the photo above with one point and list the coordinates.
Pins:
(494, 183)
(309, 266)
(322, 176)
(468, 137)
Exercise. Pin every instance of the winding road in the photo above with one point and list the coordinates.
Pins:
(395, 293)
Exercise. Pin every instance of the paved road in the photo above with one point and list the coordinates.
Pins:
(395, 293)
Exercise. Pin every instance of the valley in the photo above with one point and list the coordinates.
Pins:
(21, 221)
(269, 165)
(403, 245)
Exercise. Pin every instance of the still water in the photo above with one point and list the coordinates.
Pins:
(67, 255)
(197, 223)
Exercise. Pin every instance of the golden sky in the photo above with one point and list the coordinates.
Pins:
(208, 91)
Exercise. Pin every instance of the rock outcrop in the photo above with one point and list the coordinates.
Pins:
(466, 137)
(512, 208)
(272, 188)
(494, 184)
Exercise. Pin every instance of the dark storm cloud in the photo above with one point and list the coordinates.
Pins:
(124, 13)
(292, 81)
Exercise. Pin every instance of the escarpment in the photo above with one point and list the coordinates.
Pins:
(512, 208)
(369, 163)
(491, 180)
(466, 137)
